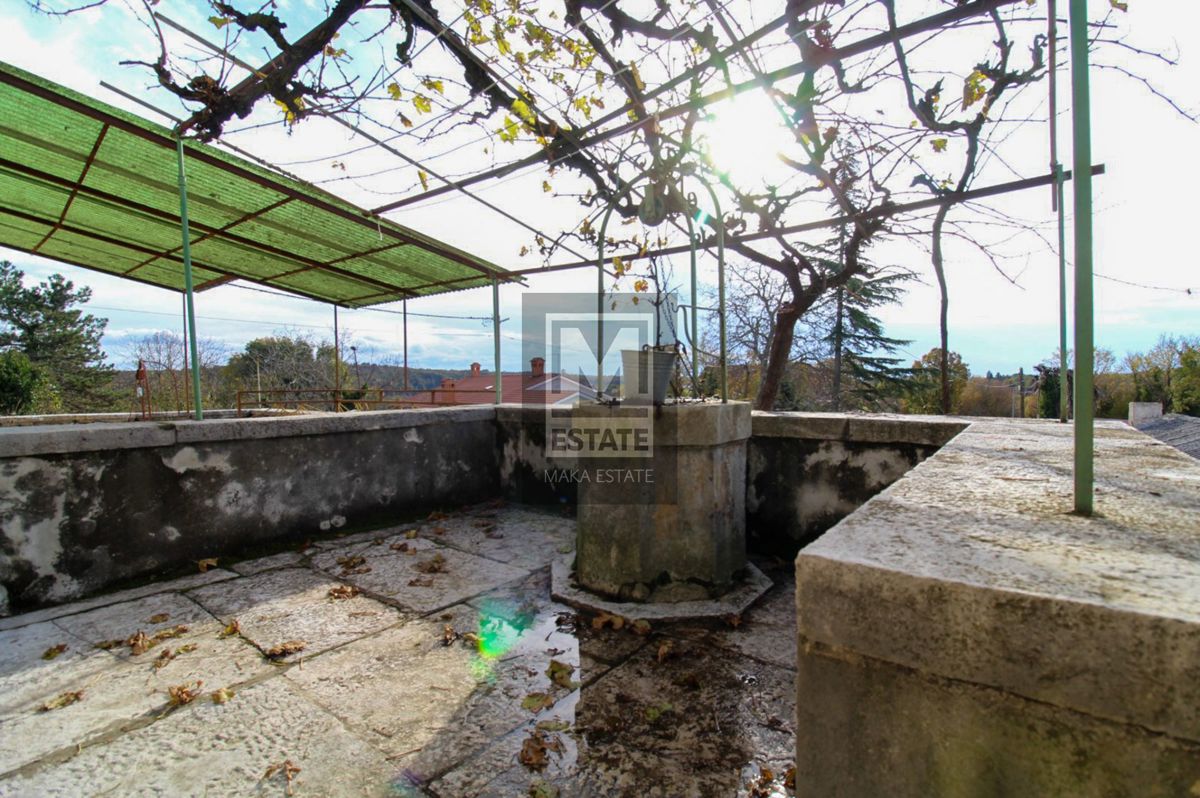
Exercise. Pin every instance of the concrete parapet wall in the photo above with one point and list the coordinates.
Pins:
(807, 471)
(964, 634)
(84, 506)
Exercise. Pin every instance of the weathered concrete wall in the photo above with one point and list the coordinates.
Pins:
(83, 506)
(521, 436)
(807, 471)
(963, 633)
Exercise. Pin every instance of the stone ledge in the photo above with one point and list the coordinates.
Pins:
(972, 567)
(68, 438)
(29, 441)
(918, 430)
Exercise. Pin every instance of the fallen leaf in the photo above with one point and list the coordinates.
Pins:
(560, 673)
(439, 530)
(222, 696)
(206, 563)
(284, 649)
(355, 564)
(232, 628)
(472, 639)
(789, 778)
(641, 627)
(435, 565)
(288, 768)
(161, 617)
(654, 713)
(535, 749)
(733, 620)
(108, 645)
(62, 700)
(552, 725)
(542, 789)
(421, 581)
(606, 619)
(666, 649)
(448, 635)
(399, 547)
(411, 534)
(184, 693)
(536, 702)
(343, 592)
(164, 657)
(437, 516)
(54, 651)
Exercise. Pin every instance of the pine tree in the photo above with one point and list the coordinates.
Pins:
(61, 342)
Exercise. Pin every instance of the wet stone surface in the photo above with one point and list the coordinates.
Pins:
(460, 678)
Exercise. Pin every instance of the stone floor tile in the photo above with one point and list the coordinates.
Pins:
(398, 575)
(222, 750)
(294, 604)
(283, 559)
(173, 585)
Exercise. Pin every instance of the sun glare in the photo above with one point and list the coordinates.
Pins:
(745, 137)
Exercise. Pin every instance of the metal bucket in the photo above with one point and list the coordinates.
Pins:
(646, 375)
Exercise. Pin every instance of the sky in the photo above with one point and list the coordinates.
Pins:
(1143, 221)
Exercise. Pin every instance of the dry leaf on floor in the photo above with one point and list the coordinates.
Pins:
(666, 649)
(411, 534)
(733, 620)
(535, 750)
(654, 713)
(789, 778)
(161, 617)
(435, 565)
(641, 627)
(354, 564)
(439, 530)
(288, 768)
(164, 656)
(542, 789)
(285, 649)
(343, 592)
(399, 547)
(560, 673)
(421, 581)
(184, 693)
(377, 542)
(607, 619)
(54, 651)
(232, 628)
(62, 700)
(448, 635)
(552, 725)
(536, 702)
(206, 563)
(222, 696)
(108, 645)
(139, 643)
(437, 516)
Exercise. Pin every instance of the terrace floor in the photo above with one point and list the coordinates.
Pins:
(429, 660)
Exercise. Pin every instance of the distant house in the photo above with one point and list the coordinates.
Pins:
(533, 387)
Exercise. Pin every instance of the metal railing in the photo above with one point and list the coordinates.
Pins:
(346, 399)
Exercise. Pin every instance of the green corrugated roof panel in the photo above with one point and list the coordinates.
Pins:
(89, 184)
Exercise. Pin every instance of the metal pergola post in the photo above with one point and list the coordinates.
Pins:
(1082, 155)
(499, 379)
(337, 364)
(187, 280)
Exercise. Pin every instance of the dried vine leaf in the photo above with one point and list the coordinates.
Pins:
(560, 673)
(288, 768)
(285, 649)
(342, 592)
(434, 565)
(421, 581)
(232, 628)
(184, 693)
(536, 749)
(207, 563)
(161, 617)
(222, 696)
(54, 651)
(666, 649)
(62, 700)
(536, 702)
(607, 619)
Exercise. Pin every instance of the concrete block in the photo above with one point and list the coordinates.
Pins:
(811, 426)
(1141, 412)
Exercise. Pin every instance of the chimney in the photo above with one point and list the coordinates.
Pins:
(537, 367)
(475, 368)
